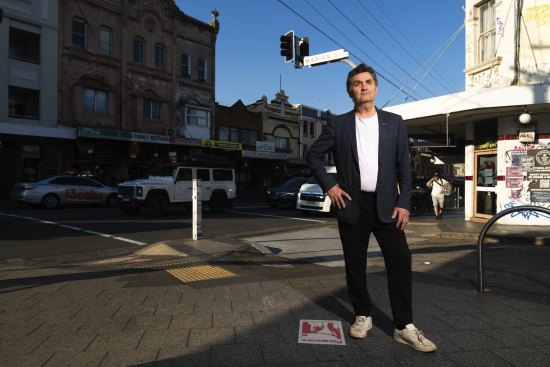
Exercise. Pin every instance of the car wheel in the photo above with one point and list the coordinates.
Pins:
(50, 201)
(218, 203)
(156, 205)
(112, 200)
(129, 209)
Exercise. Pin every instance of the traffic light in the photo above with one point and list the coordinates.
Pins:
(302, 51)
(288, 46)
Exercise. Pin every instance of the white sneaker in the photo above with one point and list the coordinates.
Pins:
(361, 326)
(410, 335)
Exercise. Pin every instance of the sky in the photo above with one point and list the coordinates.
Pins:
(416, 47)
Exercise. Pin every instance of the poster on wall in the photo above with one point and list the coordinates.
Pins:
(538, 175)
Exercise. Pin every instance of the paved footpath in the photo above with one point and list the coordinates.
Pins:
(220, 302)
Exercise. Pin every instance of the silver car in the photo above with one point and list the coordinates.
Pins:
(54, 191)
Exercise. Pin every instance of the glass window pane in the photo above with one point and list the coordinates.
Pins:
(156, 110)
(89, 100)
(105, 36)
(101, 101)
(234, 135)
(138, 50)
(79, 34)
(224, 133)
(147, 108)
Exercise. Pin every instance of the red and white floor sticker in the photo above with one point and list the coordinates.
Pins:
(321, 332)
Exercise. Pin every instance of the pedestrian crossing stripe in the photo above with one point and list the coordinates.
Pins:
(200, 272)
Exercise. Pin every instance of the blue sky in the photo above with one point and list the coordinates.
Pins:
(401, 39)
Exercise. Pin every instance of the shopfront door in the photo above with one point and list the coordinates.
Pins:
(485, 199)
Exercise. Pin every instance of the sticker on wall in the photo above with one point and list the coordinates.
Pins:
(321, 332)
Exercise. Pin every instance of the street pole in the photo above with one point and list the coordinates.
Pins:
(197, 209)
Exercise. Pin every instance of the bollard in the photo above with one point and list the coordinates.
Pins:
(197, 210)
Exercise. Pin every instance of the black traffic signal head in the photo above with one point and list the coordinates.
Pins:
(288, 46)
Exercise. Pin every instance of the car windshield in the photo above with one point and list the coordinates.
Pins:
(295, 182)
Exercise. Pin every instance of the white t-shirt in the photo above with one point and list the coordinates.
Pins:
(437, 186)
(366, 129)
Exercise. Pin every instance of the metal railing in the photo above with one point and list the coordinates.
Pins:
(488, 225)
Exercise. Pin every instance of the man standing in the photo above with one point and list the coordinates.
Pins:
(370, 149)
(437, 183)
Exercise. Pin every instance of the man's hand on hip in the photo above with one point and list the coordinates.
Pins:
(402, 216)
(337, 195)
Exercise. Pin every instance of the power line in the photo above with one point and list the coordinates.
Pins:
(376, 46)
(399, 43)
(379, 67)
(333, 40)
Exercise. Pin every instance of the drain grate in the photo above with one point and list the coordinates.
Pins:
(201, 272)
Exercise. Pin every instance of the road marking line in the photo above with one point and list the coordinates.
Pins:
(78, 229)
(278, 216)
(70, 227)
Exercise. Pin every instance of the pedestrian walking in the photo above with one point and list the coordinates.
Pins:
(438, 186)
(371, 194)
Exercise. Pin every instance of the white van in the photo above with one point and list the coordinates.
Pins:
(312, 198)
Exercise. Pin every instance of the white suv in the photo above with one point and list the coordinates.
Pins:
(312, 198)
(174, 185)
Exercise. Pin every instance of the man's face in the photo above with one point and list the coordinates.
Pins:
(363, 89)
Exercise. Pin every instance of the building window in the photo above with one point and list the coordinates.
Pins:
(304, 128)
(139, 51)
(79, 33)
(24, 45)
(281, 143)
(151, 109)
(197, 116)
(312, 129)
(95, 100)
(23, 103)
(202, 70)
(185, 65)
(233, 134)
(487, 31)
(105, 36)
(159, 56)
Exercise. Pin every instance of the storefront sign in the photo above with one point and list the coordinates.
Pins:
(433, 140)
(264, 146)
(186, 142)
(264, 155)
(488, 145)
(526, 136)
(228, 145)
(87, 132)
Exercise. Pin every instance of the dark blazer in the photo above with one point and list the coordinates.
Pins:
(339, 137)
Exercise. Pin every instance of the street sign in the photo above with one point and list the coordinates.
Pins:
(326, 57)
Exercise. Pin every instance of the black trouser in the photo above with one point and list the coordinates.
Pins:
(397, 258)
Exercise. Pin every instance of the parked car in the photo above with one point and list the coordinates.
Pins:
(312, 198)
(286, 193)
(54, 191)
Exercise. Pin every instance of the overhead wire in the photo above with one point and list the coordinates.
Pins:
(373, 62)
(437, 55)
(440, 54)
(375, 45)
(333, 40)
(396, 40)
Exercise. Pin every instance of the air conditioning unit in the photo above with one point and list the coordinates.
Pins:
(171, 132)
